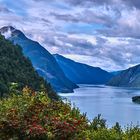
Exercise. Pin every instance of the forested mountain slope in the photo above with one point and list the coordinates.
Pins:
(16, 68)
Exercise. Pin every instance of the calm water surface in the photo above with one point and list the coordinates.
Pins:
(113, 103)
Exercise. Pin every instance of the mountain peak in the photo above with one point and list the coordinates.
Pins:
(6, 28)
(10, 31)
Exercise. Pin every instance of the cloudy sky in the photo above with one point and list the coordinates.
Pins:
(104, 33)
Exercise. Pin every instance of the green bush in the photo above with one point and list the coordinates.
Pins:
(32, 115)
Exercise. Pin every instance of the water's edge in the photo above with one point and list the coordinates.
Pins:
(115, 104)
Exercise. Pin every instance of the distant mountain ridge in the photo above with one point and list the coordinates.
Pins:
(127, 78)
(81, 73)
(41, 59)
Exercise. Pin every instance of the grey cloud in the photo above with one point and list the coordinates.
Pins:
(89, 16)
(90, 3)
(65, 17)
(123, 30)
(46, 20)
(133, 3)
(4, 9)
(130, 3)
(83, 2)
(43, 0)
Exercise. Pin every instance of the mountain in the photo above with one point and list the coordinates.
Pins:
(81, 73)
(41, 59)
(16, 68)
(127, 78)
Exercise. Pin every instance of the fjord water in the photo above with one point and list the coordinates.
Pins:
(115, 104)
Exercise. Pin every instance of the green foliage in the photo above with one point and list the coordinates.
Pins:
(98, 123)
(16, 68)
(31, 115)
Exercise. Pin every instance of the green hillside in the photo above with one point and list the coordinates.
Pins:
(16, 68)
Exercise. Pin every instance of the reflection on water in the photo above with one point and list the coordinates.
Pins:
(113, 103)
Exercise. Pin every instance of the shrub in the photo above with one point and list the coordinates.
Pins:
(32, 115)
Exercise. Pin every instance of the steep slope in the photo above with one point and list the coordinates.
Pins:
(80, 73)
(16, 68)
(42, 60)
(127, 78)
